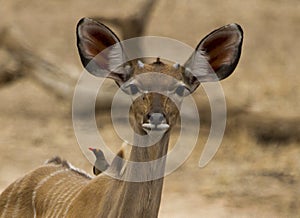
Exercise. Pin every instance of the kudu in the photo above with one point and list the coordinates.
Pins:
(57, 189)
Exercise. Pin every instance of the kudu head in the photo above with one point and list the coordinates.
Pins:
(157, 96)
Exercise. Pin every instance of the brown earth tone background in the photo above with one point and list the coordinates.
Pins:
(256, 172)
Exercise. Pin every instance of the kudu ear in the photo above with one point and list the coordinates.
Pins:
(215, 57)
(100, 50)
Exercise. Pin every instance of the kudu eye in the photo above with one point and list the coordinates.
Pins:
(181, 91)
(130, 89)
(133, 89)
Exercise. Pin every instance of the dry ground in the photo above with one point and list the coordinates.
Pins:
(256, 172)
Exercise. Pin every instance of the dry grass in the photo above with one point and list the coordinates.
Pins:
(256, 171)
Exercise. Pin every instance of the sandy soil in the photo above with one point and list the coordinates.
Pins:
(248, 177)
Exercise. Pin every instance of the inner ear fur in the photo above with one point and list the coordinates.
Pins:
(215, 57)
(99, 49)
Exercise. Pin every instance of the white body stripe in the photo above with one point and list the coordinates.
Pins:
(39, 185)
(66, 198)
(16, 185)
(17, 207)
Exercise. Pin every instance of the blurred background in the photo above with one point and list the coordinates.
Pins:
(256, 172)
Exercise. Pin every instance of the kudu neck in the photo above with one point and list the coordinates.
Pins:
(150, 147)
(142, 191)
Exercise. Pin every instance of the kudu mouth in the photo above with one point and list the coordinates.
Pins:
(156, 122)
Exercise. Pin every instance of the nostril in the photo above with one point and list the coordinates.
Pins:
(156, 118)
(156, 121)
(161, 118)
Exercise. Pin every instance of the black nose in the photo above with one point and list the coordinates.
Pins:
(156, 118)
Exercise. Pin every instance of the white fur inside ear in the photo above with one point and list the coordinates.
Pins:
(116, 57)
(200, 68)
(140, 64)
(188, 70)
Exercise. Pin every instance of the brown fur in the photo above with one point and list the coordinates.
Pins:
(57, 189)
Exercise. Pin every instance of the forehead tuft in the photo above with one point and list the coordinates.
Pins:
(163, 67)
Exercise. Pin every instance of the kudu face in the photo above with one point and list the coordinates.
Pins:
(157, 89)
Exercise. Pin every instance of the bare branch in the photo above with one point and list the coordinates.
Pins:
(11, 67)
(18, 61)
